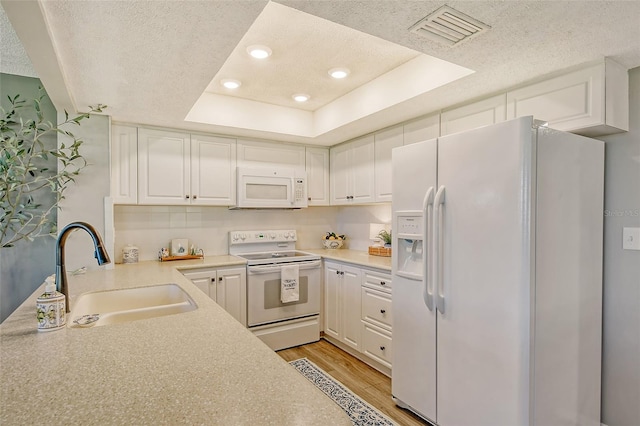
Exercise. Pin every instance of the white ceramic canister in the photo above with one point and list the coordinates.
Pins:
(130, 254)
(51, 307)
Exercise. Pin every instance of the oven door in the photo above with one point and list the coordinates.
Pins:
(263, 293)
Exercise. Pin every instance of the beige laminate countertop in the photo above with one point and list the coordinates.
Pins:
(198, 367)
(357, 257)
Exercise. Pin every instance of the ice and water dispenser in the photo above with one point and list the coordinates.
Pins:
(410, 257)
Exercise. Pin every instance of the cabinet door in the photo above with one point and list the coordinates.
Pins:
(340, 165)
(362, 170)
(231, 292)
(213, 170)
(584, 101)
(351, 305)
(163, 167)
(422, 129)
(332, 300)
(124, 164)
(205, 280)
(317, 166)
(269, 154)
(385, 141)
(483, 113)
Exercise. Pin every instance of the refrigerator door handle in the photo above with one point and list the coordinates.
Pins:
(427, 211)
(438, 248)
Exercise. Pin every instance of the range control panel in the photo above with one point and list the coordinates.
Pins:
(252, 237)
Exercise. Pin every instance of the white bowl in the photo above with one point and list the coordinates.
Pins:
(332, 244)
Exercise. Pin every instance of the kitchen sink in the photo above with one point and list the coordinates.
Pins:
(98, 308)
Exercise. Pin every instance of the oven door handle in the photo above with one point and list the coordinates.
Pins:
(268, 269)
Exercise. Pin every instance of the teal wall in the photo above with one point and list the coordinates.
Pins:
(25, 266)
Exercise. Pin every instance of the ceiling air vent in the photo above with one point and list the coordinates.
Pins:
(448, 26)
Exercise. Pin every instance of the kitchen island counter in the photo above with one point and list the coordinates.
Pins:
(198, 367)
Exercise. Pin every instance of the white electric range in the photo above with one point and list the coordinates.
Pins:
(279, 325)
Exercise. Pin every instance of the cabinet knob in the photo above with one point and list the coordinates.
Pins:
(213, 280)
(342, 273)
(186, 196)
(337, 272)
(382, 348)
(219, 278)
(195, 196)
(308, 198)
(382, 311)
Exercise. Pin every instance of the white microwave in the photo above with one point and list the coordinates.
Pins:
(271, 188)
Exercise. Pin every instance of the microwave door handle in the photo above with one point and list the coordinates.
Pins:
(293, 191)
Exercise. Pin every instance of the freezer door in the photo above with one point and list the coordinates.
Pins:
(483, 336)
(414, 325)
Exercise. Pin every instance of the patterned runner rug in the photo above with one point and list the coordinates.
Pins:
(361, 413)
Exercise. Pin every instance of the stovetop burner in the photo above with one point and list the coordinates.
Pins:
(273, 255)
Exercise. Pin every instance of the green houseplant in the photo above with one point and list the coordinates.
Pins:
(385, 236)
(30, 188)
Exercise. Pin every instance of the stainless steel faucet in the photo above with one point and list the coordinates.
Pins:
(61, 274)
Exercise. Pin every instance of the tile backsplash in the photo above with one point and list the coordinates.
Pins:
(152, 227)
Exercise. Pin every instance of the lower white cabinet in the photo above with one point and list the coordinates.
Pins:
(342, 303)
(226, 286)
(358, 312)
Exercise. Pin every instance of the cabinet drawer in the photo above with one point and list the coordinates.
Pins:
(377, 280)
(377, 344)
(376, 307)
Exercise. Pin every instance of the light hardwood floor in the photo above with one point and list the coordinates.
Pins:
(366, 382)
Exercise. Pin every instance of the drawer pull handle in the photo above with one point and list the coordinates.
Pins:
(383, 283)
(382, 348)
(382, 311)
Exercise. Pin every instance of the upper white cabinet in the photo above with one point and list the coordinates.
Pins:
(593, 101)
(213, 170)
(471, 116)
(174, 168)
(317, 167)
(352, 172)
(163, 167)
(422, 129)
(265, 154)
(124, 164)
(385, 141)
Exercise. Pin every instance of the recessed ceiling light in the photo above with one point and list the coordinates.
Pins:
(301, 97)
(258, 51)
(339, 72)
(230, 83)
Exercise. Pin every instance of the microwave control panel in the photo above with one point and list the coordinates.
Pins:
(299, 190)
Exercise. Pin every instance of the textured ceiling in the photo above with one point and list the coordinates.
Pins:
(151, 60)
(13, 58)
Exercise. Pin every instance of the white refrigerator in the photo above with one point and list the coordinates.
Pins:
(497, 277)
